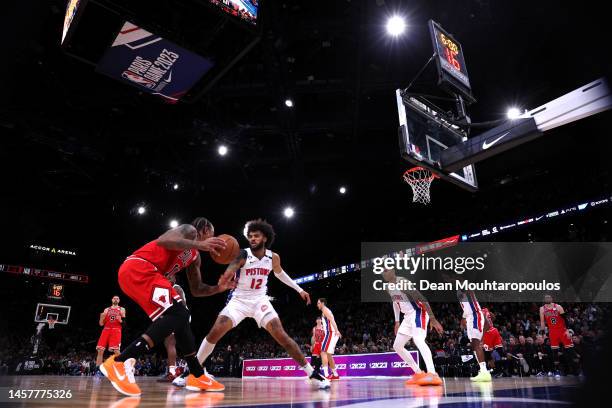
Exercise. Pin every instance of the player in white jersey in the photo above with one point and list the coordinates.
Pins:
(474, 321)
(251, 270)
(417, 316)
(332, 335)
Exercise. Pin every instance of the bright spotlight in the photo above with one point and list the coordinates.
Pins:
(288, 212)
(396, 26)
(174, 224)
(222, 150)
(289, 103)
(141, 210)
(513, 113)
(342, 190)
(175, 186)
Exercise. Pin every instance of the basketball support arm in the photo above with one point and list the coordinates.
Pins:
(583, 102)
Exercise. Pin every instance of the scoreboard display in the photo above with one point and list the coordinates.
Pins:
(56, 291)
(452, 71)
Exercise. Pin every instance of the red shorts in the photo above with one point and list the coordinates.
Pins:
(141, 281)
(491, 339)
(316, 349)
(560, 336)
(110, 338)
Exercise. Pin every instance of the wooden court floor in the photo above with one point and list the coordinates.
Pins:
(354, 393)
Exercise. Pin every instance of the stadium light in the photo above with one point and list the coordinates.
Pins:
(288, 212)
(141, 210)
(513, 113)
(174, 224)
(396, 25)
(342, 190)
(289, 103)
(175, 186)
(222, 150)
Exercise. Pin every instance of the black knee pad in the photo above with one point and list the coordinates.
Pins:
(175, 318)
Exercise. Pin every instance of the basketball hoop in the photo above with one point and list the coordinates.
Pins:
(51, 323)
(420, 180)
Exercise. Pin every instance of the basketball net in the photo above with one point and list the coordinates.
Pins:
(419, 180)
(51, 323)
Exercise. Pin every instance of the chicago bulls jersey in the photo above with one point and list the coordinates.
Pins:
(553, 318)
(111, 321)
(319, 335)
(167, 261)
(253, 276)
(488, 318)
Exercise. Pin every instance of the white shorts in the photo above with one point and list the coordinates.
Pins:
(475, 325)
(259, 309)
(412, 328)
(328, 345)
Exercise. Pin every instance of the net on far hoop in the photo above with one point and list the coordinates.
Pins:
(419, 180)
(51, 323)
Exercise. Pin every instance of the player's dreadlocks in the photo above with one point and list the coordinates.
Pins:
(264, 227)
(201, 223)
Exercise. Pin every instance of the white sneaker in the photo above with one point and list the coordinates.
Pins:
(321, 382)
(179, 381)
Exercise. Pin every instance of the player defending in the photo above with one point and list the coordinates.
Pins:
(142, 278)
(111, 319)
(318, 334)
(473, 319)
(552, 315)
(252, 268)
(417, 314)
(332, 335)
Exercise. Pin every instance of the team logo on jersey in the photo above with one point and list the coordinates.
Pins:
(161, 296)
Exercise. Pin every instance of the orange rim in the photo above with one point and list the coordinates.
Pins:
(430, 178)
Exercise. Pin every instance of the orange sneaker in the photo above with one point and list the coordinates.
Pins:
(121, 375)
(414, 379)
(203, 383)
(429, 379)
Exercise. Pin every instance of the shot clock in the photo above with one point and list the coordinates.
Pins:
(56, 291)
(452, 72)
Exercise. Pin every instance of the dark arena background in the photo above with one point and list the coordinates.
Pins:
(122, 120)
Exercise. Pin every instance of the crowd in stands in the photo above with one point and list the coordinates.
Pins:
(365, 327)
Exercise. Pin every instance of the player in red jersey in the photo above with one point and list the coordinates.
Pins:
(142, 276)
(491, 340)
(111, 319)
(318, 334)
(551, 316)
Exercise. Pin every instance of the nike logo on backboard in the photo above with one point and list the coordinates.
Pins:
(486, 145)
(121, 377)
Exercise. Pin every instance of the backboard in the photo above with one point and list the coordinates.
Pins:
(44, 311)
(424, 134)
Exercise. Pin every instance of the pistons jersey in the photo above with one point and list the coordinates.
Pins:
(252, 278)
(413, 310)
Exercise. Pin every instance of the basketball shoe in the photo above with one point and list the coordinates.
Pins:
(203, 383)
(121, 375)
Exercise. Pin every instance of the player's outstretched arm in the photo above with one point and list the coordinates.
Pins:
(184, 237)
(286, 279)
(196, 286)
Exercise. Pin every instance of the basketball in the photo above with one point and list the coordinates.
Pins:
(230, 252)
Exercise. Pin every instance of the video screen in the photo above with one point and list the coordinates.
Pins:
(244, 9)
